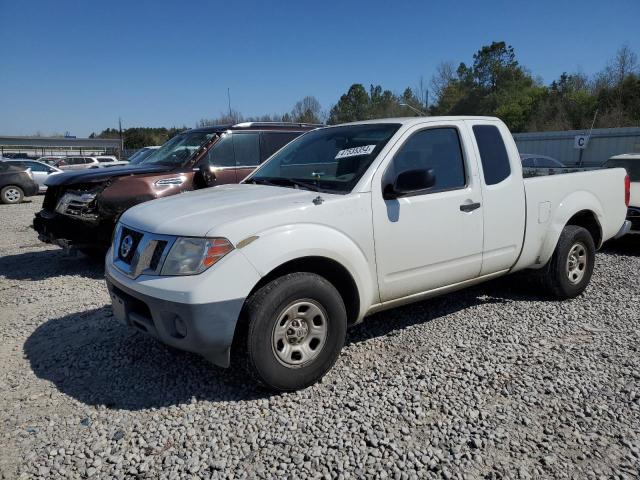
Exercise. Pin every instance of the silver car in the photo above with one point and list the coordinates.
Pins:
(40, 170)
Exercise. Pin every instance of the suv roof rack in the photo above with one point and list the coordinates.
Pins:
(276, 124)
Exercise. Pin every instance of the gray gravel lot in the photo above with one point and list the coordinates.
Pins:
(491, 382)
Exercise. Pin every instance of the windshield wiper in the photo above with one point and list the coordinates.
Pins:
(281, 182)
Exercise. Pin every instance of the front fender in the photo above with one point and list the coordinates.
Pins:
(573, 203)
(280, 245)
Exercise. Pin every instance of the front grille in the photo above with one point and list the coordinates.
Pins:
(154, 263)
(126, 254)
(138, 253)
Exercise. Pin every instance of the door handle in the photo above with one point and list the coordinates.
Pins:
(469, 207)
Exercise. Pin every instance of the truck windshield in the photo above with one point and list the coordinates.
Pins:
(178, 150)
(329, 159)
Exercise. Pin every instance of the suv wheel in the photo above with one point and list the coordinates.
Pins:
(11, 194)
(569, 271)
(296, 329)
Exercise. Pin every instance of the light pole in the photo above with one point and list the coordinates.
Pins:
(419, 112)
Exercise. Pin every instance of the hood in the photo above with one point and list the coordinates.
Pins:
(196, 213)
(100, 174)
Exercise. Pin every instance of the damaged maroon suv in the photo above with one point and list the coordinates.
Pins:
(81, 208)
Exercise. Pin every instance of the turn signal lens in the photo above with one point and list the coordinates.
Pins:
(216, 249)
(627, 190)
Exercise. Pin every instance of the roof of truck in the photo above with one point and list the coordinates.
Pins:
(414, 120)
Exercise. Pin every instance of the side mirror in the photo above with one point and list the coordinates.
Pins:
(206, 177)
(410, 182)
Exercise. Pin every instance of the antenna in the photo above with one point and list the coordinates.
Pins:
(229, 100)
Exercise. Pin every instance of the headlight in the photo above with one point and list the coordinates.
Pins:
(190, 256)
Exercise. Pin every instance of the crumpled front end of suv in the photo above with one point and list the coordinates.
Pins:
(71, 215)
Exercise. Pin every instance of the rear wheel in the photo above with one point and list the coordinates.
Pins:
(11, 194)
(569, 271)
(296, 329)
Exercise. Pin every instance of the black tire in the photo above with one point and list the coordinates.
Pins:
(557, 277)
(266, 308)
(96, 254)
(11, 194)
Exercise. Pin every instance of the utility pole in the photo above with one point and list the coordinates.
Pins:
(121, 139)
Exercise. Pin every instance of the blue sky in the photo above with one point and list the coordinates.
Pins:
(78, 65)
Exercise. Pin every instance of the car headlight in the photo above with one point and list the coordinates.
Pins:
(190, 256)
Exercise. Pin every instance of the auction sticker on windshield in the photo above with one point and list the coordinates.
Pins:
(355, 151)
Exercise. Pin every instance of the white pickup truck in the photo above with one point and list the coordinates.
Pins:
(346, 221)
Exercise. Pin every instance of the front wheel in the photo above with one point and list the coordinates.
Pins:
(569, 271)
(11, 194)
(296, 330)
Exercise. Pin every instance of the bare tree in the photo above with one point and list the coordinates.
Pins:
(307, 110)
(444, 76)
(620, 67)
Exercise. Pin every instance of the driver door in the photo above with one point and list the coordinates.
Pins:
(433, 238)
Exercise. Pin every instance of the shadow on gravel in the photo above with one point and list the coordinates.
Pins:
(628, 245)
(516, 287)
(92, 358)
(97, 361)
(43, 264)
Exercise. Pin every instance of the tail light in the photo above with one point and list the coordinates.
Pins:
(627, 190)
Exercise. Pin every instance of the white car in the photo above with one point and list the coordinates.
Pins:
(39, 170)
(82, 162)
(631, 163)
(346, 221)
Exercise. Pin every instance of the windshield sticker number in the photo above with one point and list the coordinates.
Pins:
(355, 151)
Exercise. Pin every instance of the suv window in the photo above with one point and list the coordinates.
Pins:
(247, 149)
(493, 154)
(437, 149)
(37, 167)
(221, 154)
(274, 141)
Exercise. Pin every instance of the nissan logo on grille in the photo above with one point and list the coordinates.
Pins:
(125, 246)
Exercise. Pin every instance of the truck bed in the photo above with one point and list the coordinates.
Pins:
(549, 196)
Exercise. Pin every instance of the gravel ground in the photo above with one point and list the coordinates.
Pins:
(491, 382)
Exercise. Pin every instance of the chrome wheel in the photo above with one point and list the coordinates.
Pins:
(299, 333)
(12, 195)
(577, 262)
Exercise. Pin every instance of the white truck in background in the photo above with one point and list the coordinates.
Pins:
(346, 221)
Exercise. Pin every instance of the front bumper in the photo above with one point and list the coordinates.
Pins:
(62, 230)
(206, 329)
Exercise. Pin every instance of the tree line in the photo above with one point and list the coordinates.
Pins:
(493, 84)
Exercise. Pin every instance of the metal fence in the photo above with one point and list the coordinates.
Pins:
(602, 143)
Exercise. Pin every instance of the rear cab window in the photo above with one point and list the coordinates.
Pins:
(493, 154)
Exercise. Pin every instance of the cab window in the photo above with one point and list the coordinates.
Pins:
(436, 149)
(493, 154)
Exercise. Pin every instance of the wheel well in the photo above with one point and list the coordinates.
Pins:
(331, 270)
(588, 220)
